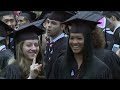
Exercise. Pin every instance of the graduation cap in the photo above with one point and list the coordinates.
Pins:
(84, 21)
(27, 32)
(43, 14)
(29, 14)
(61, 15)
(38, 23)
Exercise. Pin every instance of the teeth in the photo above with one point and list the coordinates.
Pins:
(75, 46)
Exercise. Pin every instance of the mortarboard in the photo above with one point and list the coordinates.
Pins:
(44, 14)
(27, 32)
(84, 21)
(61, 15)
(29, 14)
(38, 23)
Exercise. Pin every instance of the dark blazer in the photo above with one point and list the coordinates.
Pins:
(58, 50)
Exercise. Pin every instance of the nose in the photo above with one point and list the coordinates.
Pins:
(9, 23)
(75, 41)
(33, 47)
(48, 25)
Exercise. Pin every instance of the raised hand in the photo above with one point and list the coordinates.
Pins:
(35, 69)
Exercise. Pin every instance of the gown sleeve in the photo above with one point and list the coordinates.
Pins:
(11, 72)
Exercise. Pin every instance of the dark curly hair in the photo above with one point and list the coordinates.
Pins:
(98, 38)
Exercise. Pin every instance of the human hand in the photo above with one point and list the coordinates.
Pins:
(35, 69)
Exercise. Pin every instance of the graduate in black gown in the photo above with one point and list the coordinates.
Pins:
(114, 18)
(56, 47)
(28, 54)
(79, 62)
(107, 56)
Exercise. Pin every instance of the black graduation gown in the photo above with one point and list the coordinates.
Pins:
(59, 49)
(5, 57)
(117, 36)
(110, 59)
(109, 40)
(12, 71)
(93, 69)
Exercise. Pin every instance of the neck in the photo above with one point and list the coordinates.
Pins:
(79, 59)
(55, 36)
(28, 62)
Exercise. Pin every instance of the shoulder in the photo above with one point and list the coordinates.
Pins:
(111, 58)
(111, 55)
(97, 65)
(100, 69)
(62, 41)
(11, 72)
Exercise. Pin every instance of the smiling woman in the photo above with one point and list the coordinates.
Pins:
(28, 50)
(79, 61)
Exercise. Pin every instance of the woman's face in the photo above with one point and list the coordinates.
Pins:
(30, 48)
(76, 42)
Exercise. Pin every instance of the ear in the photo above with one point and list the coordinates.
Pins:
(44, 24)
(62, 27)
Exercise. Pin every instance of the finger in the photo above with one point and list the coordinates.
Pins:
(40, 67)
(34, 59)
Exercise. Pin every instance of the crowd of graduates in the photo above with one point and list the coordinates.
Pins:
(59, 45)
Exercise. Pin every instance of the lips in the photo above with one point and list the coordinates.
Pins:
(32, 54)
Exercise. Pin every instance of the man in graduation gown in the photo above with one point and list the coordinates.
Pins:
(114, 18)
(57, 42)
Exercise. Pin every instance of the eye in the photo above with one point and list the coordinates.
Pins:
(47, 21)
(79, 38)
(12, 20)
(5, 21)
(29, 45)
(36, 44)
(53, 22)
